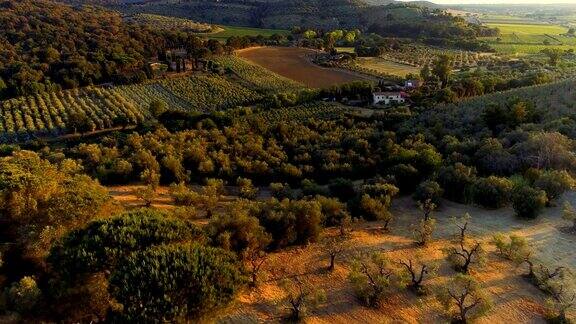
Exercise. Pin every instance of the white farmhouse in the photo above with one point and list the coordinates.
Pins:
(387, 98)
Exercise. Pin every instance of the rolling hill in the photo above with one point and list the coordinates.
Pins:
(320, 14)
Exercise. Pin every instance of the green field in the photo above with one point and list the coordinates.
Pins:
(349, 50)
(382, 66)
(529, 38)
(230, 31)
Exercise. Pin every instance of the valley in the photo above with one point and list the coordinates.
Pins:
(287, 161)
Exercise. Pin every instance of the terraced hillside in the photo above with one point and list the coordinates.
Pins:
(49, 114)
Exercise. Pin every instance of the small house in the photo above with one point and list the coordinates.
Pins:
(387, 98)
(412, 84)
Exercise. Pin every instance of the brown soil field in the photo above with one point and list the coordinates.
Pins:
(294, 63)
(515, 299)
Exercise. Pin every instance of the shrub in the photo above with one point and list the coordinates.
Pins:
(406, 177)
(457, 181)
(429, 190)
(281, 190)
(157, 108)
(342, 189)
(528, 202)
(291, 221)
(311, 188)
(237, 230)
(334, 212)
(554, 183)
(514, 247)
(24, 295)
(492, 192)
(376, 209)
(246, 188)
(174, 283)
(182, 195)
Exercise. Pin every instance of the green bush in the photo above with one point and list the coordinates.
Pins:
(246, 188)
(183, 196)
(429, 190)
(342, 189)
(174, 283)
(457, 181)
(492, 192)
(406, 177)
(528, 202)
(237, 230)
(554, 183)
(334, 212)
(24, 295)
(291, 222)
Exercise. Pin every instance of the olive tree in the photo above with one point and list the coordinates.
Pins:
(464, 299)
(416, 273)
(424, 230)
(301, 299)
(463, 255)
(372, 278)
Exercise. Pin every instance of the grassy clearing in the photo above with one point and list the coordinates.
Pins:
(529, 29)
(345, 50)
(381, 65)
(229, 31)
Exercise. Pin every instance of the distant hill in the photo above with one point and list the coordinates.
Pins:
(366, 15)
(427, 4)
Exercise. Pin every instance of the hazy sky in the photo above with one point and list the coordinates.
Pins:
(501, 1)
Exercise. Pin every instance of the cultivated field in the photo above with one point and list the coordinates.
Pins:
(529, 38)
(294, 63)
(226, 32)
(380, 65)
(515, 300)
(47, 114)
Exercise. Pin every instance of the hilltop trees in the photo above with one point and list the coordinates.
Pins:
(50, 46)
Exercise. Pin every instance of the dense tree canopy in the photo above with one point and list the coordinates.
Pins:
(45, 45)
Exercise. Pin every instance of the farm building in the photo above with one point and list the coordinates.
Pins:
(387, 98)
(412, 84)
